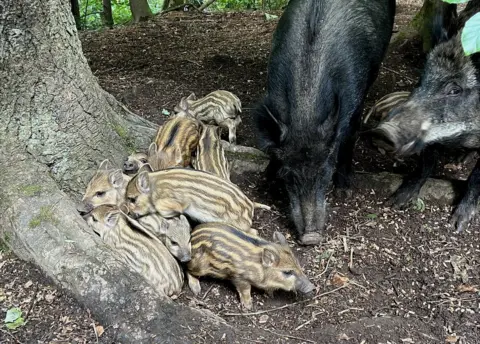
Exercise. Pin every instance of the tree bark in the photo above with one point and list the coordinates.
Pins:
(422, 23)
(57, 125)
(107, 16)
(140, 10)
(76, 13)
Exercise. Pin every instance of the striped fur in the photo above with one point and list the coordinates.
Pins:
(224, 252)
(200, 195)
(144, 254)
(387, 103)
(210, 155)
(220, 107)
(107, 186)
(174, 233)
(175, 142)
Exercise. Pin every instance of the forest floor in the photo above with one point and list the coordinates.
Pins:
(388, 276)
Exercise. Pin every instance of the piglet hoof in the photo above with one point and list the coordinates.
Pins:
(343, 194)
(462, 216)
(247, 304)
(399, 200)
(311, 238)
(194, 285)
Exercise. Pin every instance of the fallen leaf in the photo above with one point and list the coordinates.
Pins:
(99, 329)
(165, 112)
(462, 288)
(49, 298)
(14, 319)
(270, 16)
(339, 281)
(452, 339)
(263, 319)
(407, 340)
(28, 284)
(343, 336)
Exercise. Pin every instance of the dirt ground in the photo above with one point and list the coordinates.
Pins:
(383, 276)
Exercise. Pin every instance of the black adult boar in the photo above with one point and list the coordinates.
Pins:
(326, 54)
(442, 112)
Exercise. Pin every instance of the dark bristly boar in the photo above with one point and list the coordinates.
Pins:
(143, 254)
(325, 56)
(225, 252)
(220, 107)
(443, 112)
(200, 195)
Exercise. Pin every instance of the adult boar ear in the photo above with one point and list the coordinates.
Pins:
(439, 33)
(269, 258)
(143, 182)
(281, 126)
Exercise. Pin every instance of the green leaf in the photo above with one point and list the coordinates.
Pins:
(165, 112)
(270, 16)
(372, 216)
(456, 1)
(14, 318)
(13, 314)
(419, 205)
(471, 35)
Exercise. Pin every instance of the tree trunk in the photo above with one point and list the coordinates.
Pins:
(76, 13)
(107, 16)
(140, 10)
(422, 24)
(57, 125)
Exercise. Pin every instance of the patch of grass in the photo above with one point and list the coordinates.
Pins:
(129, 142)
(45, 215)
(4, 248)
(31, 190)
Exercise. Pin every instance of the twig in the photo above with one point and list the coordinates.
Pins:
(95, 330)
(11, 335)
(174, 8)
(350, 265)
(206, 293)
(252, 340)
(358, 285)
(400, 74)
(314, 317)
(290, 304)
(326, 267)
(350, 309)
(195, 63)
(288, 336)
(205, 5)
(32, 303)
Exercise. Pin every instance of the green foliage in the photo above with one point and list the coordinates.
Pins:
(229, 5)
(14, 318)
(471, 35)
(45, 215)
(31, 190)
(419, 205)
(471, 31)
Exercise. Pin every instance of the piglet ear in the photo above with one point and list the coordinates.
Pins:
(145, 168)
(104, 165)
(143, 182)
(192, 96)
(111, 218)
(269, 258)
(279, 238)
(116, 178)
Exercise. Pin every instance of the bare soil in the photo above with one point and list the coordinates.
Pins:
(383, 276)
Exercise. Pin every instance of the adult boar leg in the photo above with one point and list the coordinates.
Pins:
(413, 183)
(467, 208)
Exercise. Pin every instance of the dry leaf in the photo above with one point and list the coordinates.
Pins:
(28, 284)
(49, 298)
(452, 339)
(339, 281)
(99, 329)
(407, 340)
(343, 336)
(462, 288)
(263, 319)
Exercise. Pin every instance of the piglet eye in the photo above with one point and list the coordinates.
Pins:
(288, 273)
(100, 194)
(94, 219)
(132, 199)
(143, 161)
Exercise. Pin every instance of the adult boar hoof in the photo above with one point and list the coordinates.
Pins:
(311, 238)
